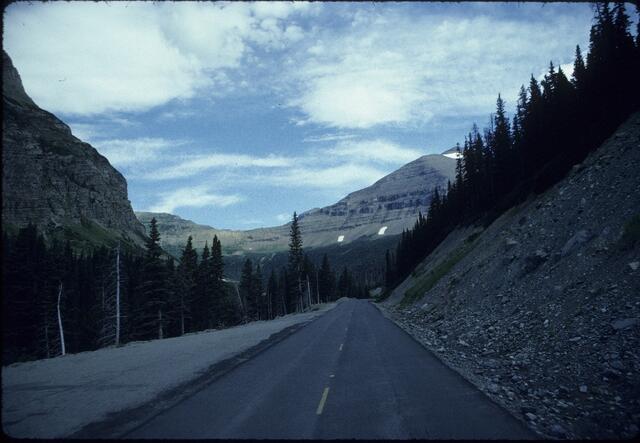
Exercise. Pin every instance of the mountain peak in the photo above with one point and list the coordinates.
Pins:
(55, 181)
(12, 83)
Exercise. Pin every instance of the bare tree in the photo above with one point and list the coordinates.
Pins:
(118, 296)
(60, 321)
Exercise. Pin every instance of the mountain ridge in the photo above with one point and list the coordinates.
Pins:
(392, 203)
(57, 182)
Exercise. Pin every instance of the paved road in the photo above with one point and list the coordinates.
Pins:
(352, 373)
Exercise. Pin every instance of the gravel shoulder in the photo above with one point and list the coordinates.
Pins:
(58, 397)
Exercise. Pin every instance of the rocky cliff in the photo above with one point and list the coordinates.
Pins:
(384, 208)
(54, 180)
(541, 309)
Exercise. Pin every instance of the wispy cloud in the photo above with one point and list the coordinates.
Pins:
(284, 217)
(195, 196)
(378, 151)
(177, 114)
(350, 175)
(125, 152)
(201, 163)
(394, 68)
(327, 138)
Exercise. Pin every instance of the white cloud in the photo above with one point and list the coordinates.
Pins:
(284, 217)
(86, 131)
(177, 114)
(378, 151)
(132, 56)
(196, 196)
(395, 68)
(123, 152)
(202, 163)
(327, 138)
(350, 176)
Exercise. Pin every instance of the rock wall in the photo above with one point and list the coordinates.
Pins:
(52, 179)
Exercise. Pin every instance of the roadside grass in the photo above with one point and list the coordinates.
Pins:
(428, 280)
(383, 295)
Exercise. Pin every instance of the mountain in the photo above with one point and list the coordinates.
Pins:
(55, 181)
(541, 309)
(383, 209)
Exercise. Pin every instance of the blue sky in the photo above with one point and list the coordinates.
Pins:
(236, 114)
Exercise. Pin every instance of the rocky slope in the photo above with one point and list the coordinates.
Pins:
(541, 309)
(384, 208)
(54, 180)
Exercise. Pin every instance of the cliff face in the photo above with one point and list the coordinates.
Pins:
(382, 209)
(391, 204)
(541, 309)
(54, 180)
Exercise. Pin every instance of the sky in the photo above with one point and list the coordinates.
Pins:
(236, 114)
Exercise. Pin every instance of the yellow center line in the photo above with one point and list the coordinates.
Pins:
(322, 401)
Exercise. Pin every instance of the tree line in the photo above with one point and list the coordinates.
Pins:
(557, 123)
(57, 300)
(297, 286)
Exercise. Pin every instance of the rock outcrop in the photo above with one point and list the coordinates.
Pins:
(382, 209)
(541, 309)
(54, 180)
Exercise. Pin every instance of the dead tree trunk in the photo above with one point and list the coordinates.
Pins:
(60, 321)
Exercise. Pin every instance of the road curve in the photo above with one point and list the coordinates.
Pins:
(352, 373)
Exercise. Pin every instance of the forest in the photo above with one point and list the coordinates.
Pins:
(557, 123)
(57, 301)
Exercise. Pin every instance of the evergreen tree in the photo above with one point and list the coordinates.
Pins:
(188, 278)
(202, 303)
(218, 291)
(295, 265)
(259, 295)
(174, 296)
(23, 285)
(247, 291)
(501, 150)
(272, 295)
(153, 290)
(579, 71)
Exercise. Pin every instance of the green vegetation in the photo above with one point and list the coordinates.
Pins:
(428, 280)
(383, 295)
(631, 233)
(88, 235)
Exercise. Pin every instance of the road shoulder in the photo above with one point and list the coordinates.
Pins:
(480, 384)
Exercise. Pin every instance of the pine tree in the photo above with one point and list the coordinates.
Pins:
(389, 275)
(579, 71)
(153, 290)
(247, 291)
(23, 286)
(501, 149)
(188, 275)
(203, 297)
(174, 288)
(272, 295)
(295, 264)
(218, 291)
(258, 294)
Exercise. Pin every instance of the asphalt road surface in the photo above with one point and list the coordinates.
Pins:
(352, 373)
